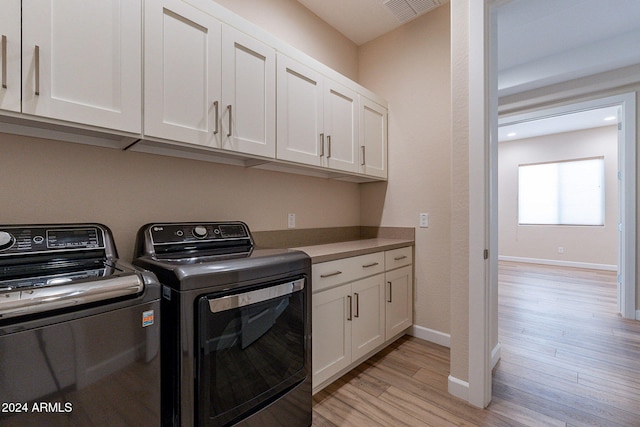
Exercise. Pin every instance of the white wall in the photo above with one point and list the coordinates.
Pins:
(410, 67)
(582, 244)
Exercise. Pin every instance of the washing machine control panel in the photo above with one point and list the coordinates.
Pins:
(212, 232)
(15, 240)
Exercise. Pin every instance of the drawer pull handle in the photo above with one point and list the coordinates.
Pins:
(390, 292)
(373, 264)
(324, 276)
(398, 258)
(350, 308)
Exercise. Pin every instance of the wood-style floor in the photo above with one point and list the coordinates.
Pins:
(567, 360)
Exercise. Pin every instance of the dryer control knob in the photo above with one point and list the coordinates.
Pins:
(200, 232)
(6, 240)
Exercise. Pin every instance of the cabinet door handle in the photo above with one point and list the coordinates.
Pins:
(230, 120)
(363, 162)
(321, 144)
(357, 297)
(390, 292)
(37, 64)
(398, 258)
(217, 116)
(350, 308)
(373, 264)
(4, 61)
(328, 146)
(335, 273)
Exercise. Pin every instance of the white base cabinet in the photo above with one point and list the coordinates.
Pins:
(357, 308)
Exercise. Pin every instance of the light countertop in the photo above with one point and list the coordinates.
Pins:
(333, 251)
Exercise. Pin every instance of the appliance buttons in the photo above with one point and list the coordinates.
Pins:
(200, 232)
(6, 240)
(38, 239)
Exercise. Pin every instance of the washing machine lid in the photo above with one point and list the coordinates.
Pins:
(225, 271)
(60, 266)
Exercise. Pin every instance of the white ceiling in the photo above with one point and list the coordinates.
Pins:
(364, 20)
(540, 42)
(543, 42)
(558, 124)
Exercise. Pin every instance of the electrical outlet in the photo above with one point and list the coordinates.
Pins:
(560, 249)
(291, 220)
(424, 220)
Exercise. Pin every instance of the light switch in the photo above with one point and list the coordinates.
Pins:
(424, 220)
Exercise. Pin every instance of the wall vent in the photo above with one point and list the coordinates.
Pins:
(405, 10)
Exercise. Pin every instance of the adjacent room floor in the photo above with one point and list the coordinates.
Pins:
(567, 360)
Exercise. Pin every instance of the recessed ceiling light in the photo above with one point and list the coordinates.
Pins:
(510, 134)
(608, 119)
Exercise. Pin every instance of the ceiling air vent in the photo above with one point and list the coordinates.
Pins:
(405, 10)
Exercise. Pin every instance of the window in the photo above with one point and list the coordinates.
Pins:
(562, 193)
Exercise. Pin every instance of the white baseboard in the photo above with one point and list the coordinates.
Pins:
(458, 388)
(495, 355)
(559, 263)
(430, 335)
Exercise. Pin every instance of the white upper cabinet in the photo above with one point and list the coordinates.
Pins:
(10, 55)
(82, 61)
(248, 116)
(373, 138)
(182, 73)
(300, 113)
(340, 126)
(317, 118)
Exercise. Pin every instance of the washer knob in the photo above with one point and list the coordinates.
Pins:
(6, 240)
(200, 232)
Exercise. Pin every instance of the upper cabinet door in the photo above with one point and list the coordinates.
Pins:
(10, 55)
(182, 73)
(341, 126)
(373, 138)
(248, 116)
(300, 128)
(81, 61)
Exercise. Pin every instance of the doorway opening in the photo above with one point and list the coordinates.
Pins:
(621, 110)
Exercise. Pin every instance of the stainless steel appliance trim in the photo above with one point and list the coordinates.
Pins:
(230, 302)
(36, 300)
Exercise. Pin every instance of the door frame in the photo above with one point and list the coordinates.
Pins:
(483, 108)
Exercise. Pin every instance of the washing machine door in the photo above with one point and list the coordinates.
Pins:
(251, 350)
